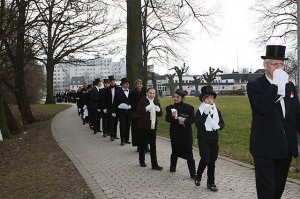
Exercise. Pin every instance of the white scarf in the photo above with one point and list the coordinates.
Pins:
(152, 114)
(212, 120)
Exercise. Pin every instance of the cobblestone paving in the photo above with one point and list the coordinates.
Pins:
(112, 170)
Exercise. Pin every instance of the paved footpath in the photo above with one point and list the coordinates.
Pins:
(113, 171)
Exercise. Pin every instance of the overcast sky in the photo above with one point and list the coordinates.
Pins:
(233, 48)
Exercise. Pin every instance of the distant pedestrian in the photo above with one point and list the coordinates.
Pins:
(209, 121)
(148, 109)
(181, 117)
(275, 108)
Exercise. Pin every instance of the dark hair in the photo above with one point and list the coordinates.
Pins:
(150, 88)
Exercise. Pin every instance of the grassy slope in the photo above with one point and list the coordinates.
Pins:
(32, 165)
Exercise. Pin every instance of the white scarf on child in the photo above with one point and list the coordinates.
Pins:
(152, 113)
(212, 120)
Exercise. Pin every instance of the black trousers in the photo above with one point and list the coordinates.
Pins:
(104, 124)
(270, 176)
(124, 118)
(209, 155)
(148, 137)
(134, 132)
(112, 125)
(95, 119)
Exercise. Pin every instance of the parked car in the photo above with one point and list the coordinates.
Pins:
(193, 92)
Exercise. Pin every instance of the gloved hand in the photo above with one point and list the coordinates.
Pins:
(207, 109)
(99, 110)
(129, 106)
(114, 115)
(84, 107)
(123, 106)
(280, 77)
(157, 109)
(149, 107)
(104, 110)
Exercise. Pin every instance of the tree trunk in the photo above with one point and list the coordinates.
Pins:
(180, 80)
(22, 99)
(11, 122)
(6, 134)
(134, 41)
(50, 69)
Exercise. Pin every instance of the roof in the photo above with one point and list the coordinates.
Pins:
(77, 80)
(241, 76)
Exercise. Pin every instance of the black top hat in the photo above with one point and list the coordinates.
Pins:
(94, 83)
(124, 80)
(181, 92)
(97, 80)
(111, 77)
(106, 81)
(275, 52)
(207, 90)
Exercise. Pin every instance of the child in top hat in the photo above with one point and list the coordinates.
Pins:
(208, 120)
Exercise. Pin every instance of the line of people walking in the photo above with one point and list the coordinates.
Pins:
(137, 110)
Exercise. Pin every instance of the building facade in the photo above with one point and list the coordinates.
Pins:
(99, 67)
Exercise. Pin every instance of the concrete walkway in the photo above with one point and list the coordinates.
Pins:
(113, 171)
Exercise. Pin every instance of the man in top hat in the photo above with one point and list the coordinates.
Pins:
(110, 94)
(94, 106)
(124, 110)
(104, 108)
(273, 140)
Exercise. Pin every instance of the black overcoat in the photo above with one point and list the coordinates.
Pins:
(144, 116)
(272, 135)
(181, 135)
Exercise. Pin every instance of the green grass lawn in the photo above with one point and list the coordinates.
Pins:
(234, 138)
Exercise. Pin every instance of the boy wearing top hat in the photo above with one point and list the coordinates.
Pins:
(124, 110)
(104, 108)
(273, 139)
(110, 94)
(209, 121)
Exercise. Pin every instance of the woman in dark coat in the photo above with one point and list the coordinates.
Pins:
(181, 117)
(134, 97)
(147, 111)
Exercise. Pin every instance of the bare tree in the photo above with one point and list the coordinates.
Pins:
(171, 82)
(291, 67)
(277, 20)
(134, 42)
(211, 75)
(67, 27)
(180, 71)
(197, 81)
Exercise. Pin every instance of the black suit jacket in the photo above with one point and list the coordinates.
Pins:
(272, 135)
(109, 103)
(94, 98)
(121, 97)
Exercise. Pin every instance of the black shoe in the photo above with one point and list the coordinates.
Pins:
(197, 180)
(95, 132)
(104, 135)
(212, 187)
(157, 168)
(127, 142)
(116, 137)
(122, 143)
(143, 164)
(112, 138)
(99, 131)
